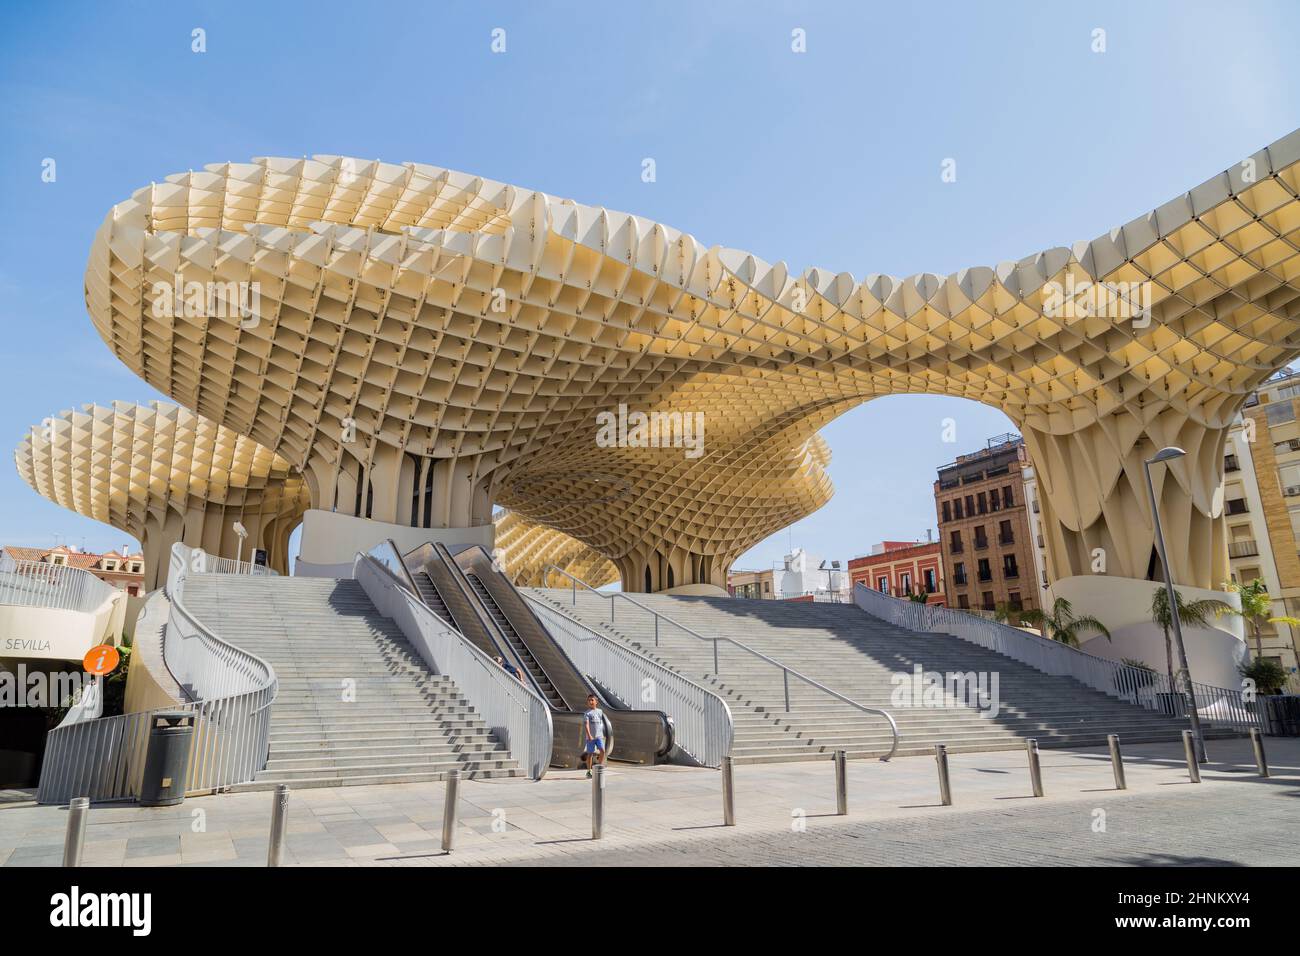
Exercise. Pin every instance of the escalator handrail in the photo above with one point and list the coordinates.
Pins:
(485, 619)
(787, 670)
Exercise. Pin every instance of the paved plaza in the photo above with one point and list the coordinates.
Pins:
(785, 815)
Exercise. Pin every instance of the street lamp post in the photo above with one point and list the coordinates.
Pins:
(1169, 454)
(240, 530)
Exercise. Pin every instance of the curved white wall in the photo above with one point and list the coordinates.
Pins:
(333, 540)
(1124, 606)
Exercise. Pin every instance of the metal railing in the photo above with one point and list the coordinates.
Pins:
(702, 724)
(215, 565)
(515, 712)
(1148, 689)
(232, 689)
(54, 586)
(786, 672)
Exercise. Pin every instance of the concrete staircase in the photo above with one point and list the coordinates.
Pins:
(856, 654)
(403, 724)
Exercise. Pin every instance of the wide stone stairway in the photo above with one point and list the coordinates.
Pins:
(857, 655)
(356, 704)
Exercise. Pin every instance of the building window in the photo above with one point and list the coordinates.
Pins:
(986, 601)
(1008, 499)
(985, 572)
(983, 500)
(962, 602)
(1009, 569)
(931, 585)
(959, 574)
(994, 503)
(970, 506)
(1013, 598)
(1237, 506)
(956, 507)
(882, 585)
(947, 511)
(981, 541)
(110, 565)
(955, 545)
(1280, 412)
(905, 583)
(1004, 533)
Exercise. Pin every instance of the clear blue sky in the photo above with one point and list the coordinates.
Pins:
(829, 158)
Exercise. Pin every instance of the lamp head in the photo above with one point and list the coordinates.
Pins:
(1169, 453)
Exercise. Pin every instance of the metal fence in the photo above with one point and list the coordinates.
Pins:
(516, 713)
(54, 586)
(211, 564)
(232, 693)
(1145, 688)
(702, 724)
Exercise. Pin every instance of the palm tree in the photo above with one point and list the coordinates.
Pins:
(1255, 606)
(1191, 613)
(1062, 624)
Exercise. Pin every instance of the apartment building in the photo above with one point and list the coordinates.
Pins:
(986, 536)
(1261, 504)
(901, 568)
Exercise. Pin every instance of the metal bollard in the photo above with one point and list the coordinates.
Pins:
(941, 758)
(449, 809)
(75, 839)
(728, 792)
(841, 783)
(598, 801)
(279, 818)
(1035, 768)
(1189, 749)
(1117, 761)
(1261, 761)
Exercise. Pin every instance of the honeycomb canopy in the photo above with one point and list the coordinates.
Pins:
(425, 344)
(157, 471)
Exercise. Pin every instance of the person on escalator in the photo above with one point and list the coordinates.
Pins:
(593, 730)
(510, 669)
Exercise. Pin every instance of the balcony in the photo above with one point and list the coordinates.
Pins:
(986, 575)
(1011, 572)
(1242, 549)
(1006, 539)
(960, 580)
(955, 548)
(981, 544)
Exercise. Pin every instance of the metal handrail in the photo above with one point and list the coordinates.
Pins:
(786, 671)
(54, 586)
(1135, 685)
(103, 759)
(702, 721)
(493, 693)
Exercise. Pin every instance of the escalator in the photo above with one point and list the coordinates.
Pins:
(468, 592)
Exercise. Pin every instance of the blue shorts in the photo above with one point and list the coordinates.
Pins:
(595, 745)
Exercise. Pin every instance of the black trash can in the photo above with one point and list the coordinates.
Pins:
(167, 761)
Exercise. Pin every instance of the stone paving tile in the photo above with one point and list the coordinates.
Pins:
(152, 846)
